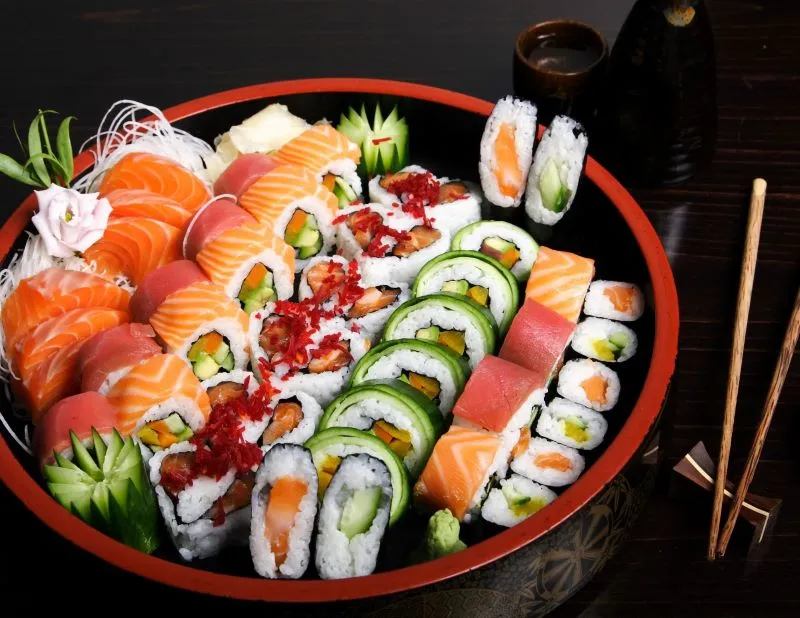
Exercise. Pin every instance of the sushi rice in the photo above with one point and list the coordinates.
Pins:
(514, 500)
(589, 384)
(604, 340)
(572, 424)
(252, 429)
(602, 299)
(471, 238)
(549, 463)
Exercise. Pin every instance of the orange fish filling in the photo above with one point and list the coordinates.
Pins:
(596, 389)
(329, 181)
(621, 297)
(523, 442)
(282, 509)
(507, 172)
(553, 461)
(285, 418)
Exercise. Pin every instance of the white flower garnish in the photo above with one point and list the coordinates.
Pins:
(69, 221)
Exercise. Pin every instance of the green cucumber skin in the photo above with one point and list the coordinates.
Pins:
(401, 485)
(458, 238)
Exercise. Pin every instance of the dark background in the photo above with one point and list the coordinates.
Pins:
(79, 57)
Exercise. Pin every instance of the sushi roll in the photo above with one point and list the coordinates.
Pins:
(202, 514)
(283, 512)
(252, 264)
(455, 321)
(556, 171)
(614, 300)
(449, 204)
(243, 171)
(429, 367)
(224, 388)
(291, 201)
(329, 447)
(155, 288)
(560, 281)
(402, 417)
(510, 245)
(476, 276)
(388, 244)
(216, 217)
(330, 156)
(507, 150)
(590, 384)
(324, 277)
(548, 463)
(516, 499)
(295, 418)
(460, 471)
(604, 340)
(112, 353)
(353, 518)
(537, 339)
(571, 424)
(160, 401)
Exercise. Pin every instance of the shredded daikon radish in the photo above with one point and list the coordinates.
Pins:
(25, 441)
(121, 133)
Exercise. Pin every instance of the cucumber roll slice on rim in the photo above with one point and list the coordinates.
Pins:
(330, 446)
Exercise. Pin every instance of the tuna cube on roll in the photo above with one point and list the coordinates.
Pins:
(560, 281)
(590, 384)
(514, 500)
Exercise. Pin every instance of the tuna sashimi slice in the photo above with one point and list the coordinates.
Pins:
(243, 172)
(217, 217)
(159, 284)
(112, 351)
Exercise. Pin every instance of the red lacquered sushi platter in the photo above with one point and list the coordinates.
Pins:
(588, 363)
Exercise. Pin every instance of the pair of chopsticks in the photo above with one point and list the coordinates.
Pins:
(717, 544)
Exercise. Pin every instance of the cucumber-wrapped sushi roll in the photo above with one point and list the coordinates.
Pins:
(455, 321)
(510, 245)
(388, 244)
(297, 207)
(589, 383)
(571, 424)
(507, 150)
(330, 156)
(294, 419)
(556, 171)
(202, 513)
(516, 499)
(604, 340)
(548, 463)
(330, 446)
(450, 204)
(353, 518)
(431, 368)
(402, 417)
(283, 511)
(476, 276)
(614, 300)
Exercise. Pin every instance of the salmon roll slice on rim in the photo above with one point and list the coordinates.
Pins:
(330, 156)
(590, 384)
(252, 264)
(510, 245)
(140, 170)
(160, 402)
(614, 300)
(111, 354)
(297, 207)
(144, 203)
(353, 518)
(295, 418)
(204, 327)
(548, 463)
(507, 151)
(283, 512)
(514, 500)
(560, 281)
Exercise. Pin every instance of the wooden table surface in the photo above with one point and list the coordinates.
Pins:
(79, 60)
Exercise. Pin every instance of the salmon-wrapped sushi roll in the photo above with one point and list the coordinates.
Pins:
(560, 281)
(216, 217)
(330, 156)
(109, 355)
(297, 207)
(160, 401)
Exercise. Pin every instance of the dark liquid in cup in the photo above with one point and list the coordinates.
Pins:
(560, 56)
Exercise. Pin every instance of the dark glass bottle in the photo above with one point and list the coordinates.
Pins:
(659, 115)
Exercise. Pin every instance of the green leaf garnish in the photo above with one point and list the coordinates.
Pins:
(64, 147)
(14, 170)
(34, 149)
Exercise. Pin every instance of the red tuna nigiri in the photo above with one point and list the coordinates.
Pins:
(108, 354)
(243, 172)
(218, 217)
(496, 390)
(78, 413)
(159, 284)
(537, 338)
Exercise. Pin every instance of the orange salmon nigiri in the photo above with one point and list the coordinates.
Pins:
(143, 203)
(559, 281)
(52, 292)
(158, 174)
(457, 470)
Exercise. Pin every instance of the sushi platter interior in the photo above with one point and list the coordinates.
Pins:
(293, 341)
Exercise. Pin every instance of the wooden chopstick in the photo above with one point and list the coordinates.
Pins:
(778, 378)
(735, 368)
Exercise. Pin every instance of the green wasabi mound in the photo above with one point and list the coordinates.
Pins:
(441, 537)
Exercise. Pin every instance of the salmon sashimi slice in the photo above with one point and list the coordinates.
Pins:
(507, 172)
(140, 170)
(317, 148)
(283, 506)
(184, 313)
(596, 389)
(456, 469)
(135, 246)
(47, 358)
(222, 258)
(269, 196)
(559, 281)
(52, 292)
(160, 379)
(143, 203)
(285, 418)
